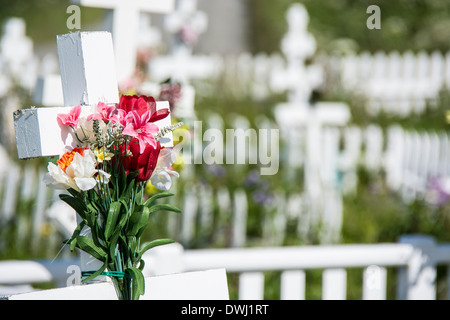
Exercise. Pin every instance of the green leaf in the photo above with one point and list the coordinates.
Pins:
(141, 265)
(111, 219)
(74, 193)
(138, 282)
(125, 192)
(138, 221)
(93, 208)
(75, 203)
(164, 206)
(73, 244)
(113, 243)
(157, 196)
(132, 175)
(96, 273)
(76, 233)
(122, 180)
(98, 234)
(132, 244)
(123, 243)
(152, 244)
(87, 245)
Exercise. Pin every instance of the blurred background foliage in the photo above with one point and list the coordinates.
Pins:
(340, 25)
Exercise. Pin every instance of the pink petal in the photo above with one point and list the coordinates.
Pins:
(129, 130)
(94, 116)
(75, 112)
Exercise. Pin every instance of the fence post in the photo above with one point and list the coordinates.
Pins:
(166, 259)
(418, 280)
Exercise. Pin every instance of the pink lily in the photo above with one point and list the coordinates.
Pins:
(70, 119)
(105, 113)
(122, 117)
(140, 128)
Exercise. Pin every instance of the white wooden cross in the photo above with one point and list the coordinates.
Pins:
(48, 88)
(298, 115)
(16, 51)
(297, 46)
(88, 76)
(184, 67)
(125, 27)
(18, 66)
(186, 23)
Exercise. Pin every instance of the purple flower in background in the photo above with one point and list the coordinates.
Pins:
(438, 192)
(262, 196)
(216, 170)
(261, 193)
(253, 178)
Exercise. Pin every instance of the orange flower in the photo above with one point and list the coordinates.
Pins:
(67, 158)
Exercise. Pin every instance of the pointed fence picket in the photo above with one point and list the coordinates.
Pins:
(397, 83)
(24, 202)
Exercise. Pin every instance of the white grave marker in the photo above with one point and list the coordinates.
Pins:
(16, 51)
(125, 27)
(187, 23)
(300, 80)
(87, 78)
(297, 46)
(197, 285)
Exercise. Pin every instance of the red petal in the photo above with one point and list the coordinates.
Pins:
(141, 106)
(151, 103)
(127, 102)
(160, 114)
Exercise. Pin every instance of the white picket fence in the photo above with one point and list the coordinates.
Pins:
(25, 203)
(401, 84)
(409, 159)
(397, 83)
(415, 257)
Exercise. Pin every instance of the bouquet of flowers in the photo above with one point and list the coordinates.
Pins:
(118, 151)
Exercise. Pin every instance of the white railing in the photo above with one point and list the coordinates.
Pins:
(415, 257)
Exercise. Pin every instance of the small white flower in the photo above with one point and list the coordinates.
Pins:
(56, 178)
(79, 175)
(161, 177)
(85, 131)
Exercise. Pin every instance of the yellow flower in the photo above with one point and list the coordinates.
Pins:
(150, 189)
(178, 165)
(447, 116)
(46, 229)
(101, 155)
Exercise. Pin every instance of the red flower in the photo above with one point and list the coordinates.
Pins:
(144, 162)
(141, 104)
